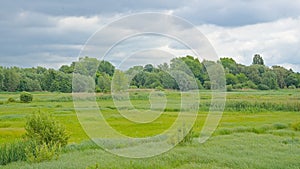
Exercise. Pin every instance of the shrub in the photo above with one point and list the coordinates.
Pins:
(251, 85)
(11, 100)
(238, 86)
(279, 126)
(42, 128)
(263, 87)
(229, 88)
(42, 152)
(207, 85)
(296, 126)
(26, 97)
(133, 87)
(292, 87)
(159, 88)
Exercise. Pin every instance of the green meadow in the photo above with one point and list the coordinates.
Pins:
(259, 129)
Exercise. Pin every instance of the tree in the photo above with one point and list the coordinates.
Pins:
(269, 79)
(1, 79)
(103, 82)
(119, 81)
(231, 79)
(11, 79)
(281, 74)
(229, 65)
(152, 80)
(292, 80)
(242, 78)
(106, 67)
(149, 68)
(86, 66)
(66, 69)
(83, 83)
(167, 81)
(257, 60)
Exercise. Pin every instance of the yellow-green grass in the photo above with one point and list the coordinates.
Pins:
(258, 135)
(13, 115)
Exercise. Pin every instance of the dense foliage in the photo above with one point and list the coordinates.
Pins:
(238, 76)
(25, 97)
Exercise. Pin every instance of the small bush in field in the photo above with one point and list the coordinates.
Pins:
(42, 128)
(42, 152)
(296, 126)
(263, 87)
(229, 88)
(26, 97)
(11, 100)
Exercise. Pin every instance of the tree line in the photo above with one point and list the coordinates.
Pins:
(238, 76)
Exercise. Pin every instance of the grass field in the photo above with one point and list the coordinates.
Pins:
(255, 131)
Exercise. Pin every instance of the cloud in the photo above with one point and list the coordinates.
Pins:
(278, 42)
(33, 32)
(232, 13)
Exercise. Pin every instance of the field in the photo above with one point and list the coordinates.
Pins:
(256, 131)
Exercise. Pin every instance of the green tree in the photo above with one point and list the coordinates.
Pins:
(86, 66)
(106, 67)
(66, 69)
(242, 78)
(104, 82)
(292, 80)
(231, 79)
(82, 83)
(149, 68)
(257, 60)
(281, 74)
(119, 81)
(11, 79)
(152, 80)
(229, 65)
(269, 79)
(1, 79)
(167, 81)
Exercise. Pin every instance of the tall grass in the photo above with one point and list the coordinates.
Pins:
(14, 151)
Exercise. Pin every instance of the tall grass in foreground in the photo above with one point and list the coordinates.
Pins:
(14, 151)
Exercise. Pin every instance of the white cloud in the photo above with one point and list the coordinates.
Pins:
(278, 42)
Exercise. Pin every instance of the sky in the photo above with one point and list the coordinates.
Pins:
(52, 33)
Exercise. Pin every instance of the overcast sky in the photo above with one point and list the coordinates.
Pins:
(52, 33)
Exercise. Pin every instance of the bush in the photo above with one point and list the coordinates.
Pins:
(292, 87)
(26, 97)
(207, 85)
(229, 88)
(11, 100)
(279, 126)
(42, 128)
(159, 88)
(42, 152)
(238, 86)
(296, 126)
(263, 87)
(47, 135)
(251, 85)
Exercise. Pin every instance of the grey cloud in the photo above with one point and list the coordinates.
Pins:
(33, 32)
(238, 12)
